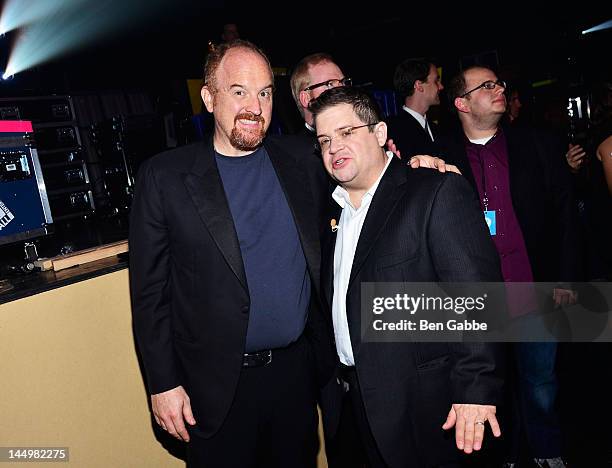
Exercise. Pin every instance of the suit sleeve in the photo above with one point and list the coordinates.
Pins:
(462, 250)
(150, 283)
(564, 205)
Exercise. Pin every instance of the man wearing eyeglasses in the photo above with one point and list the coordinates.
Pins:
(313, 75)
(417, 81)
(391, 223)
(525, 194)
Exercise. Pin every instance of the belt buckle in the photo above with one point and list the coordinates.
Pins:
(260, 359)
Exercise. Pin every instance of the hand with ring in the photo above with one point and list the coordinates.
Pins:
(469, 422)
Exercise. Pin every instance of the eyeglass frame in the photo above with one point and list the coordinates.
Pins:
(346, 81)
(350, 130)
(500, 83)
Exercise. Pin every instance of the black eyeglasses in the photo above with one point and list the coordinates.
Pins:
(324, 142)
(489, 84)
(331, 84)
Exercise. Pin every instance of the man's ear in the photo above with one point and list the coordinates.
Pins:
(461, 105)
(304, 99)
(418, 85)
(208, 98)
(380, 130)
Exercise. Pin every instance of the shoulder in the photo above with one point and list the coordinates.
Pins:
(296, 144)
(176, 160)
(403, 118)
(300, 148)
(431, 184)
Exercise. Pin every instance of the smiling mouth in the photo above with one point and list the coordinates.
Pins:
(248, 119)
(248, 122)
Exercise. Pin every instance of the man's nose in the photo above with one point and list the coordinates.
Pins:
(253, 105)
(335, 144)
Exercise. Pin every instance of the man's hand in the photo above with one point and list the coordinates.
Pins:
(563, 297)
(469, 422)
(423, 160)
(169, 409)
(391, 147)
(431, 162)
(575, 157)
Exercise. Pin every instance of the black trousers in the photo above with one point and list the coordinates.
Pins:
(354, 445)
(273, 419)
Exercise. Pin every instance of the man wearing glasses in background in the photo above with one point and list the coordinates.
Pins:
(315, 74)
(391, 402)
(525, 194)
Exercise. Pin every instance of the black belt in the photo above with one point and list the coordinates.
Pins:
(263, 358)
(258, 359)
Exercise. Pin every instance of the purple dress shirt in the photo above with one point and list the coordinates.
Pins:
(489, 163)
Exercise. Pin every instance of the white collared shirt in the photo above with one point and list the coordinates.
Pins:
(309, 127)
(422, 119)
(349, 230)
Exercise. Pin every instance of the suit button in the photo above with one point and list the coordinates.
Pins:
(245, 309)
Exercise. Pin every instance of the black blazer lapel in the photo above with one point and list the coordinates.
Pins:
(387, 194)
(454, 153)
(294, 183)
(206, 189)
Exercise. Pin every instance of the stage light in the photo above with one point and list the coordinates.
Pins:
(66, 28)
(19, 13)
(599, 27)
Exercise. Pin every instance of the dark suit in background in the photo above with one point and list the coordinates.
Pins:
(410, 137)
(542, 197)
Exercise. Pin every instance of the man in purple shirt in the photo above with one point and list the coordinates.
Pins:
(525, 196)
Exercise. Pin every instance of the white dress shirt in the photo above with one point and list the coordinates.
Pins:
(349, 230)
(422, 119)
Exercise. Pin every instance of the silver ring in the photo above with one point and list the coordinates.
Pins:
(479, 422)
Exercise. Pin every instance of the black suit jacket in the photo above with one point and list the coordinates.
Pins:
(190, 300)
(409, 137)
(542, 198)
(422, 226)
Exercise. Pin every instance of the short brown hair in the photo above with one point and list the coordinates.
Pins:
(457, 86)
(363, 104)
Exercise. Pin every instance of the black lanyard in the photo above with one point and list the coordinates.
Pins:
(485, 199)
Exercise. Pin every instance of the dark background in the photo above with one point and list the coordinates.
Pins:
(531, 44)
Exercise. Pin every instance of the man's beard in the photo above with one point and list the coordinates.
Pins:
(247, 140)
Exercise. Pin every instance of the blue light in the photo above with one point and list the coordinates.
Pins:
(599, 27)
(51, 28)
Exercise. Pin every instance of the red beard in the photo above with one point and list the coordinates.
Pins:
(247, 140)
